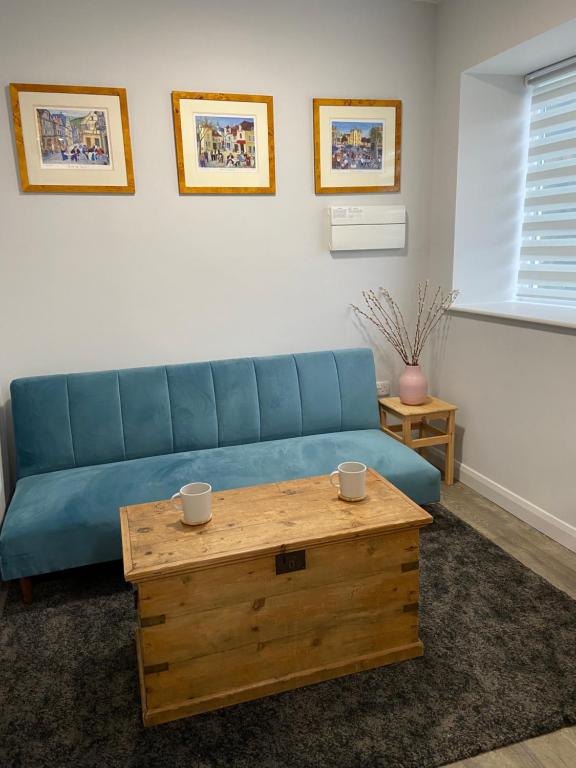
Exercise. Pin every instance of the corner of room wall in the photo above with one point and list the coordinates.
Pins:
(506, 378)
(492, 152)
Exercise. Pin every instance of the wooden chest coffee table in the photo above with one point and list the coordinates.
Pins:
(286, 586)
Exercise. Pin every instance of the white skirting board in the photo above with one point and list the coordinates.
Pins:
(538, 518)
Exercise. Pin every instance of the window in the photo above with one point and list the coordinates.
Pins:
(548, 253)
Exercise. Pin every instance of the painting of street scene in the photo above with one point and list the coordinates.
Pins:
(72, 137)
(357, 145)
(226, 141)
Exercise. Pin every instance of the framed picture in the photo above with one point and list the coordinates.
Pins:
(357, 144)
(224, 143)
(72, 138)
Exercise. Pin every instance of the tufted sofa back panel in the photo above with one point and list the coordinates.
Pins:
(82, 419)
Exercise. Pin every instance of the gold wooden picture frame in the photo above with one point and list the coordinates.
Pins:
(72, 138)
(357, 145)
(224, 143)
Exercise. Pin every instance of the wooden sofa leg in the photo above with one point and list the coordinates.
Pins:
(26, 589)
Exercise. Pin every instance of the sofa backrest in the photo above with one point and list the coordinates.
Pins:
(82, 419)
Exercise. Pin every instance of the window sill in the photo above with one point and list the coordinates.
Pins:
(522, 312)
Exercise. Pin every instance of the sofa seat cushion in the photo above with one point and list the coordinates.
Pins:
(70, 518)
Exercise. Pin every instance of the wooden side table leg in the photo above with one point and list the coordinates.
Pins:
(407, 431)
(449, 465)
(383, 419)
(422, 434)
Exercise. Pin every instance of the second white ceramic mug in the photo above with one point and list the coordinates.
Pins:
(350, 479)
(196, 501)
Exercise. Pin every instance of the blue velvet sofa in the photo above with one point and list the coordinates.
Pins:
(89, 443)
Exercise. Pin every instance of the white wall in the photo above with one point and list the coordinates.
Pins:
(514, 383)
(492, 151)
(89, 282)
(93, 282)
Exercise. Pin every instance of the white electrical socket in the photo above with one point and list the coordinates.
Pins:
(383, 388)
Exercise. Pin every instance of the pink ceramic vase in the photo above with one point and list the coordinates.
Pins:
(413, 386)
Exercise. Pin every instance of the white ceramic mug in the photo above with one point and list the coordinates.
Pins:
(196, 501)
(350, 479)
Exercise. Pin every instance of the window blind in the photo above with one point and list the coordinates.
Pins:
(548, 253)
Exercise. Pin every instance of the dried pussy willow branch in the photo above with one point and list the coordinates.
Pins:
(385, 315)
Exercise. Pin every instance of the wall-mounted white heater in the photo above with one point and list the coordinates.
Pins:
(367, 227)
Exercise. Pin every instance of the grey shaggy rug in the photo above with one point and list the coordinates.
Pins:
(500, 667)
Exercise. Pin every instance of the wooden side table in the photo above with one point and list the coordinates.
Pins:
(417, 417)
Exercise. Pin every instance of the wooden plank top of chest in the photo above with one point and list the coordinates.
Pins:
(257, 521)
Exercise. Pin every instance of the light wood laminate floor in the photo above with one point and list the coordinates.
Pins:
(556, 564)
